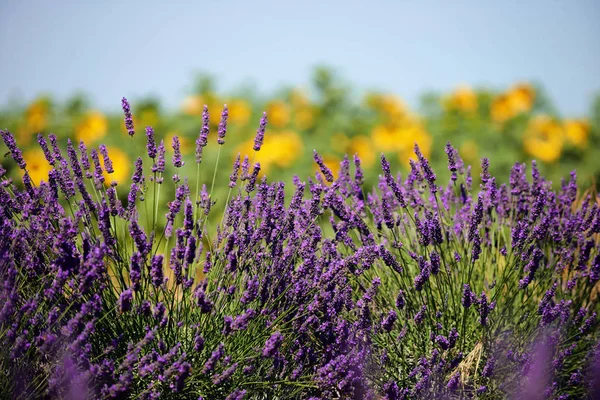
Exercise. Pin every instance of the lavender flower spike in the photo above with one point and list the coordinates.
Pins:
(151, 145)
(324, 169)
(14, 150)
(202, 140)
(223, 126)
(260, 133)
(177, 160)
(128, 118)
(234, 174)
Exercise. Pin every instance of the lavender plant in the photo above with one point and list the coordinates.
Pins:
(324, 290)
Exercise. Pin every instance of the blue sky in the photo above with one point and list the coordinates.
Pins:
(111, 49)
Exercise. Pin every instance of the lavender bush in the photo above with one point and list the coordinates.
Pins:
(326, 290)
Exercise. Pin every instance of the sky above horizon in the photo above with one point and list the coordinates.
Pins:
(111, 49)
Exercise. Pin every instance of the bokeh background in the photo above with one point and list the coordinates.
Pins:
(512, 81)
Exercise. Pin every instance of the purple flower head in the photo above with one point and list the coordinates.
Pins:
(177, 160)
(324, 169)
(485, 308)
(488, 369)
(222, 130)
(252, 179)
(202, 140)
(151, 143)
(14, 150)
(159, 167)
(44, 146)
(234, 173)
(420, 316)
(108, 166)
(216, 355)
(454, 381)
(358, 175)
(427, 171)
(125, 300)
(272, 344)
(389, 320)
(138, 173)
(400, 300)
(156, 270)
(128, 118)
(391, 182)
(260, 133)
(468, 297)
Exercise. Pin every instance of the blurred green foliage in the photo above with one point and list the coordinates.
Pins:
(516, 124)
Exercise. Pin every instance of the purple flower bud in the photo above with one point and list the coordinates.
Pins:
(260, 133)
(468, 297)
(427, 171)
(156, 270)
(44, 146)
(454, 381)
(159, 167)
(324, 169)
(108, 166)
(125, 300)
(272, 344)
(400, 301)
(222, 130)
(252, 180)
(216, 355)
(389, 320)
(151, 144)
(177, 160)
(138, 173)
(128, 118)
(488, 369)
(420, 316)
(14, 150)
(234, 174)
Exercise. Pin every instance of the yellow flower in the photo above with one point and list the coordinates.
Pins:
(279, 148)
(278, 114)
(92, 127)
(577, 131)
(239, 111)
(193, 105)
(385, 138)
(36, 116)
(518, 99)
(363, 146)
(468, 150)
(414, 134)
(121, 165)
(393, 107)
(402, 139)
(544, 139)
(521, 97)
(462, 99)
(500, 109)
(185, 144)
(37, 165)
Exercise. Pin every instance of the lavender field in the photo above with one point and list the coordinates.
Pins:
(414, 288)
(386, 200)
